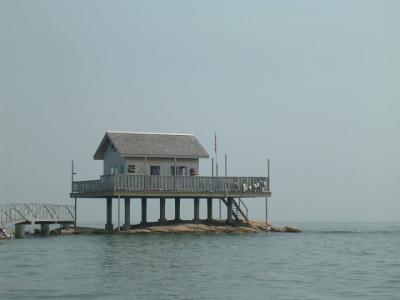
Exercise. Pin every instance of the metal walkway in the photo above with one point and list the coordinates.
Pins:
(36, 213)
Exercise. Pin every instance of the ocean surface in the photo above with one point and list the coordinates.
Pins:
(327, 261)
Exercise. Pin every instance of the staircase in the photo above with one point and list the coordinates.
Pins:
(239, 209)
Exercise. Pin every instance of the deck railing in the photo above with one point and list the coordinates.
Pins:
(144, 183)
(14, 213)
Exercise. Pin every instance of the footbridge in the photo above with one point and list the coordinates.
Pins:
(19, 214)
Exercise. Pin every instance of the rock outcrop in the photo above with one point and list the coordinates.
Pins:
(63, 231)
(285, 229)
(216, 226)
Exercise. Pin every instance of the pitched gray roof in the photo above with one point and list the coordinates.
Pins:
(136, 144)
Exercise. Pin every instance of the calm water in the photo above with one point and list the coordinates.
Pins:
(328, 261)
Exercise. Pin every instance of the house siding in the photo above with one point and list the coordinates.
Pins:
(164, 163)
(113, 160)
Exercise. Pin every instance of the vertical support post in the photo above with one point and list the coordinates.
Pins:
(119, 213)
(220, 208)
(196, 210)
(229, 214)
(177, 209)
(268, 173)
(146, 180)
(212, 167)
(216, 155)
(175, 173)
(19, 231)
(72, 177)
(226, 165)
(44, 229)
(266, 198)
(75, 213)
(266, 212)
(162, 210)
(109, 225)
(127, 224)
(209, 209)
(144, 211)
(174, 166)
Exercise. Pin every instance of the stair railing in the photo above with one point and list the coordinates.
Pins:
(245, 207)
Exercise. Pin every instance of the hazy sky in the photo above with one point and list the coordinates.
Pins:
(314, 85)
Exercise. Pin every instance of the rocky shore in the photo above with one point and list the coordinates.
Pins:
(215, 226)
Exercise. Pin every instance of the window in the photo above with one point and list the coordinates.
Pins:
(180, 171)
(113, 149)
(132, 169)
(154, 170)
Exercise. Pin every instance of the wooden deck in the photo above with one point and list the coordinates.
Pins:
(126, 185)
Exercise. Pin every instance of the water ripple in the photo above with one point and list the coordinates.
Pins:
(319, 264)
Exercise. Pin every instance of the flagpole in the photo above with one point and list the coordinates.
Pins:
(216, 155)
(72, 175)
(72, 190)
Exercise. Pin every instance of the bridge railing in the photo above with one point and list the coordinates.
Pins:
(14, 213)
(128, 182)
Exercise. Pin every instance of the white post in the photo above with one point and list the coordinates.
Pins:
(174, 166)
(266, 212)
(216, 154)
(266, 198)
(72, 176)
(174, 173)
(119, 212)
(75, 212)
(226, 165)
(220, 217)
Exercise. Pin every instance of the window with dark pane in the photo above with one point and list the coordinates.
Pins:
(132, 169)
(155, 170)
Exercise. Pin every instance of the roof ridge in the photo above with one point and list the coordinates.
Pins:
(137, 132)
